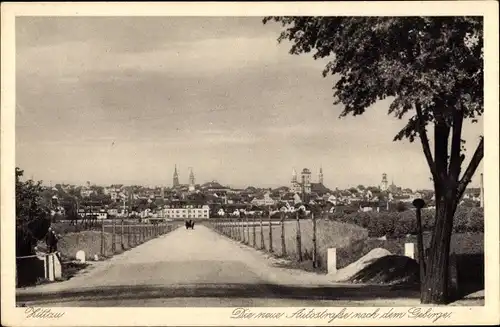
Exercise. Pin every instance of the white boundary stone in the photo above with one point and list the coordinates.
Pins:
(80, 256)
(410, 250)
(332, 261)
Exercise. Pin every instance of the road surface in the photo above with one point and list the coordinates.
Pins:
(203, 268)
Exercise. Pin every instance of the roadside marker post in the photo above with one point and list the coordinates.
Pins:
(332, 261)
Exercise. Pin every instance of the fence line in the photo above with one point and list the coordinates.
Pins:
(114, 239)
(292, 247)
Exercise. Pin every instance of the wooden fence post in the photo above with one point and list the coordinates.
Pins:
(235, 229)
(113, 238)
(270, 234)
(242, 231)
(102, 239)
(233, 236)
(315, 246)
(299, 245)
(128, 236)
(262, 244)
(283, 244)
(254, 231)
(248, 230)
(121, 237)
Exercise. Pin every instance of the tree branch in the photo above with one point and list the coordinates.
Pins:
(471, 169)
(425, 142)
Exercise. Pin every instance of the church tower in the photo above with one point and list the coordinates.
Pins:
(306, 181)
(384, 186)
(320, 176)
(295, 186)
(191, 180)
(175, 182)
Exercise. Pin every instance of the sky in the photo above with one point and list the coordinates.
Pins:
(125, 99)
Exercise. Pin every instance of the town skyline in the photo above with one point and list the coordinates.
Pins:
(315, 179)
(225, 99)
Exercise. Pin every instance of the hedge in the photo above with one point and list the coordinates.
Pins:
(399, 224)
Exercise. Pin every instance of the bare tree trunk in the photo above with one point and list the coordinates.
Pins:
(283, 243)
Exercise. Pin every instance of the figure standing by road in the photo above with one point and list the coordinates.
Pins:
(51, 240)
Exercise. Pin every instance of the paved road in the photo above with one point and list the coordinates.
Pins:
(202, 268)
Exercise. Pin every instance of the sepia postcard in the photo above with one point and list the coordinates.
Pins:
(253, 163)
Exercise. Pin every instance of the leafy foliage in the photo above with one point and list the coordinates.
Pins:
(432, 66)
(434, 61)
(32, 215)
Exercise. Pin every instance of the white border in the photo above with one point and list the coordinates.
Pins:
(220, 316)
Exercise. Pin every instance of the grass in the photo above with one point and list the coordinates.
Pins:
(329, 234)
(71, 268)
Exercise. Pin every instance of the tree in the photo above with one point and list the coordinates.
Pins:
(432, 69)
(353, 190)
(32, 215)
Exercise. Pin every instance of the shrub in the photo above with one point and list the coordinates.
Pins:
(405, 225)
(399, 224)
(475, 220)
(401, 206)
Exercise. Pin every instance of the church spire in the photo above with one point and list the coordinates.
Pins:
(175, 182)
(191, 179)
